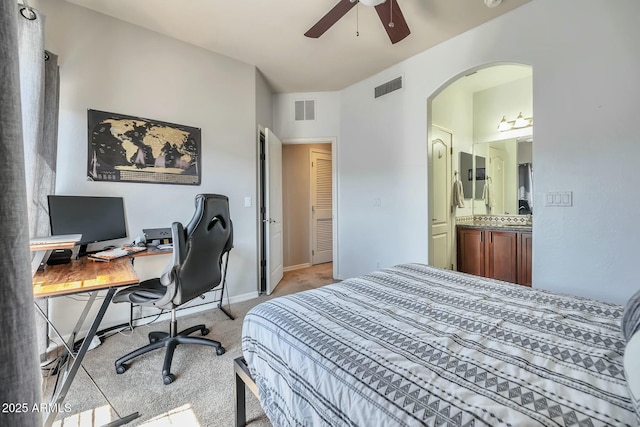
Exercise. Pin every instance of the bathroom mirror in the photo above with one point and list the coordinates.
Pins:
(472, 177)
(508, 177)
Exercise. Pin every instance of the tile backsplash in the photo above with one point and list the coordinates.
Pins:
(494, 219)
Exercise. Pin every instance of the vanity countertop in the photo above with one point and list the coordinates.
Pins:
(497, 226)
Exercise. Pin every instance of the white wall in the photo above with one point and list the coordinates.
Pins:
(109, 65)
(264, 102)
(585, 60)
(326, 124)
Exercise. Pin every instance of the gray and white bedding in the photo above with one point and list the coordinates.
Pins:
(415, 345)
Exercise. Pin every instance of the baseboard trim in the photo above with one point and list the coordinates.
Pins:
(296, 267)
(199, 308)
(55, 348)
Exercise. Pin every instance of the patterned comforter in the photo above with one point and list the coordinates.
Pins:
(415, 345)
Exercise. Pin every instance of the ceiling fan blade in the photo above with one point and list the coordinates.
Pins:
(400, 29)
(338, 11)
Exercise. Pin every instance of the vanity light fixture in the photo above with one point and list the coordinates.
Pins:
(519, 123)
(504, 124)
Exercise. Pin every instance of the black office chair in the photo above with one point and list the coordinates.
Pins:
(196, 267)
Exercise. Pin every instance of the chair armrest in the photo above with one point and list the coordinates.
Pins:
(177, 257)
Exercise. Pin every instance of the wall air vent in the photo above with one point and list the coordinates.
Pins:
(388, 87)
(305, 110)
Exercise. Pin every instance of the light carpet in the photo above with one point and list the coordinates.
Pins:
(203, 392)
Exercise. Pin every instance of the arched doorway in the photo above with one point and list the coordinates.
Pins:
(465, 113)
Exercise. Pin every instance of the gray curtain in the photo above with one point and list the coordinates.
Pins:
(39, 83)
(39, 88)
(21, 376)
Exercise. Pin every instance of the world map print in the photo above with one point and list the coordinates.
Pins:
(134, 149)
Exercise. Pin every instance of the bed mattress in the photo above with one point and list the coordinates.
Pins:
(416, 345)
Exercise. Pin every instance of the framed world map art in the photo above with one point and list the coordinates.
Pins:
(134, 149)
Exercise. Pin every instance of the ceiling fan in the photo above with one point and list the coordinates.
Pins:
(388, 11)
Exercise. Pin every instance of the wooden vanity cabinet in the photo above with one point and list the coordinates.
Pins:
(497, 254)
(500, 252)
(525, 245)
(471, 251)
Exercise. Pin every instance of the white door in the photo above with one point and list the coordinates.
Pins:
(496, 176)
(321, 208)
(273, 204)
(440, 183)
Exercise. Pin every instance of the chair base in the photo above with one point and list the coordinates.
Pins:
(163, 339)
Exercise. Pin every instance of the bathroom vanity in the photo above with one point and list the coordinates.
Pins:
(498, 251)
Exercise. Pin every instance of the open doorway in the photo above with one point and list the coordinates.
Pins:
(307, 181)
(471, 107)
(309, 218)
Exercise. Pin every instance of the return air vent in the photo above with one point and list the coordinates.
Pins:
(305, 110)
(388, 87)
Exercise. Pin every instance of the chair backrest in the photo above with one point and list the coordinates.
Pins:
(199, 247)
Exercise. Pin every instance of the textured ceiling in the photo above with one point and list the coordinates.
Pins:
(269, 34)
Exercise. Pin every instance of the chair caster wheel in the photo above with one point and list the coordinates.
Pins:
(220, 351)
(121, 369)
(168, 379)
(205, 331)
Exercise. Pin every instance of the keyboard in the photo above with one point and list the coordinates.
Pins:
(116, 253)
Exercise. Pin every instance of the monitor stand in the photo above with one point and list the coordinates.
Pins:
(82, 251)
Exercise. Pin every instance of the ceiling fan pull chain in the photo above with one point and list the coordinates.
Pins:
(391, 24)
(357, 20)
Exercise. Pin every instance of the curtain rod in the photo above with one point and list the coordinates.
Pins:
(27, 11)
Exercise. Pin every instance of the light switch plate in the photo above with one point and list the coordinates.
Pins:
(247, 202)
(559, 198)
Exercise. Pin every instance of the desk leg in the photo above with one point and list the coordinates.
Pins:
(78, 359)
(81, 319)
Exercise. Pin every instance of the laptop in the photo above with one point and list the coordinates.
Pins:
(52, 240)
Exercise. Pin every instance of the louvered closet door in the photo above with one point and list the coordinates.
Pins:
(321, 208)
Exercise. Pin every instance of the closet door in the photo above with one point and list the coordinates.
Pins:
(321, 208)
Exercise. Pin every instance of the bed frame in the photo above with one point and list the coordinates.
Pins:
(243, 380)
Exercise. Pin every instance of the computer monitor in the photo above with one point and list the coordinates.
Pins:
(98, 219)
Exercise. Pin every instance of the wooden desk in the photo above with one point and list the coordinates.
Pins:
(80, 276)
(83, 275)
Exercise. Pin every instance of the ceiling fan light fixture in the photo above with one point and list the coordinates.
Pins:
(372, 2)
(492, 3)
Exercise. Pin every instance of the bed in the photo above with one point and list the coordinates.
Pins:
(416, 345)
